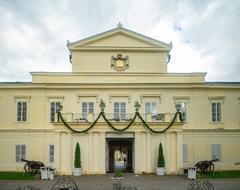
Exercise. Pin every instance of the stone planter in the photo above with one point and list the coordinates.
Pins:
(117, 182)
(77, 171)
(160, 171)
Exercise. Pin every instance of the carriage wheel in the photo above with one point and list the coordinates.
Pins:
(202, 169)
(211, 167)
(26, 168)
(206, 185)
(193, 185)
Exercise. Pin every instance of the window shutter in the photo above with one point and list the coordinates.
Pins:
(216, 151)
(147, 107)
(185, 153)
(23, 151)
(17, 153)
(91, 107)
(51, 153)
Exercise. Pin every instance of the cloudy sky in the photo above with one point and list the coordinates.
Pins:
(205, 33)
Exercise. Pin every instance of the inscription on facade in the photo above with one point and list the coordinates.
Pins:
(115, 79)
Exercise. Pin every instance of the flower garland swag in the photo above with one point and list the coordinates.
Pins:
(102, 106)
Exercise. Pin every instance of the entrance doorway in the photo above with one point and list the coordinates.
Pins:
(120, 154)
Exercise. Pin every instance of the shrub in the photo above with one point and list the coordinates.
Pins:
(77, 161)
(161, 161)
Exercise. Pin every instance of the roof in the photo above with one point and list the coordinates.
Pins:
(118, 30)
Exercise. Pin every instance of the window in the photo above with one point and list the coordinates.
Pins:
(119, 110)
(20, 152)
(216, 151)
(21, 111)
(185, 153)
(216, 112)
(53, 110)
(51, 153)
(183, 110)
(87, 107)
(150, 107)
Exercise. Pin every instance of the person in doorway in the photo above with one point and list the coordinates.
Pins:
(124, 159)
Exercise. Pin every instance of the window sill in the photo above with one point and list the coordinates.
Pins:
(220, 122)
(21, 122)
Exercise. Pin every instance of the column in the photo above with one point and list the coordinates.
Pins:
(102, 153)
(96, 150)
(148, 153)
(90, 153)
(137, 151)
(66, 153)
(179, 151)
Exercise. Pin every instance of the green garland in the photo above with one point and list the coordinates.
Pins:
(154, 131)
(75, 131)
(123, 129)
(116, 129)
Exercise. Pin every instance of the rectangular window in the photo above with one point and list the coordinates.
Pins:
(185, 153)
(216, 151)
(53, 110)
(87, 107)
(51, 153)
(216, 112)
(119, 110)
(20, 152)
(183, 110)
(21, 111)
(150, 107)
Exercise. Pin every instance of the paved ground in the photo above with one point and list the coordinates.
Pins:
(142, 182)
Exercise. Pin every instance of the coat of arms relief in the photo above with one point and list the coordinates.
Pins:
(120, 63)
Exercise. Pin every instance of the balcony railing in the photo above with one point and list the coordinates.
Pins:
(126, 117)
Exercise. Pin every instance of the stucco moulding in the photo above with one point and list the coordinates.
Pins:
(115, 39)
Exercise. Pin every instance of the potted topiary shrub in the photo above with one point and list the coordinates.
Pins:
(117, 179)
(77, 161)
(161, 162)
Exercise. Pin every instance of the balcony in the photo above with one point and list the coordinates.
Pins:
(127, 117)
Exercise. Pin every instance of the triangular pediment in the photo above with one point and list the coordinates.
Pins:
(120, 37)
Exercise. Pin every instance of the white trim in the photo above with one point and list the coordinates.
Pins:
(142, 96)
(178, 99)
(216, 98)
(119, 135)
(54, 98)
(87, 96)
(19, 98)
(128, 96)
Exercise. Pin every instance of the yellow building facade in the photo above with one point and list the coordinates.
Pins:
(119, 67)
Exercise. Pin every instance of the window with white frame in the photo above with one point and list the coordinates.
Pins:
(150, 107)
(20, 152)
(87, 107)
(216, 112)
(53, 111)
(183, 110)
(216, 151)
(185, 152)
(51, 153)
(119, 110)
(21, 111)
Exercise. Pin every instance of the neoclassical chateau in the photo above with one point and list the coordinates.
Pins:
(119, 102)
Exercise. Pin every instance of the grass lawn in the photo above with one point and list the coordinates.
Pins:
(16, 176)
(221, 174)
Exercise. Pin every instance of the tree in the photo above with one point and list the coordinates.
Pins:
(77, 161)
(161, 161)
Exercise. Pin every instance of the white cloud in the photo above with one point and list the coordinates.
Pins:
(204, 33)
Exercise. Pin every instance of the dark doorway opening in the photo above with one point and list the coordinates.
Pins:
(120, 154)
